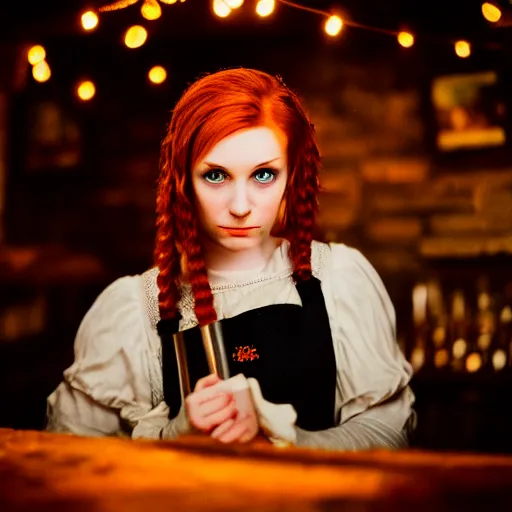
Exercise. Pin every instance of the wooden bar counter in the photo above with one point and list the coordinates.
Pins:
(48, 472)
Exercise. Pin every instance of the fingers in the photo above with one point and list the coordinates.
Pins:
(205, 382)
(223, 428)
(211, 410)
(206, 407)
(220, 416)
(241, 430)
(214, 404)
(205, 423)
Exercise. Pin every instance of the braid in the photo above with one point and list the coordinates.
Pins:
(306, 208)
(197, 276)
(302, 196)
(177, 243)
(166, 255)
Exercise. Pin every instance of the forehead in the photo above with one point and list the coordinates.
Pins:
(248, 148)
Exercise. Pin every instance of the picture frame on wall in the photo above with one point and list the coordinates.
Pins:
(54, 138)
(469, 111)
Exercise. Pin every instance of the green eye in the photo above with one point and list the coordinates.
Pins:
(214, 176)
(265, 176)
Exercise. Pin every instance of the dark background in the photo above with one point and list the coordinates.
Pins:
(416, 212)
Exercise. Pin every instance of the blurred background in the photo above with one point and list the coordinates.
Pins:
(412, 106)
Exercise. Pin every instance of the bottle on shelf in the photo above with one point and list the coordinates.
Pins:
(501, 358)
(418, 353)
(459, 334)
(438, 321)
(485, 326)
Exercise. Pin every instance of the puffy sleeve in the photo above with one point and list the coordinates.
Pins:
(374, 400)
(107, 389)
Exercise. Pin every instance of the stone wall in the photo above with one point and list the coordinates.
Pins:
(384, 188)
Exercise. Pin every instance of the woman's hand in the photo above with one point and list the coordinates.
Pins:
(237, 430)
(245, 426)
(207, 408)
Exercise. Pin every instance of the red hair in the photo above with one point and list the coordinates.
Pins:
(211, 109)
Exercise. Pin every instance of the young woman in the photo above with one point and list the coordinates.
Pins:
(310, 325)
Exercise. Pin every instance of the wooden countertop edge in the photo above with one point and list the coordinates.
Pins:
(262, 449)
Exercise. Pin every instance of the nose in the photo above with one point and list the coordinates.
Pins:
(240, 205)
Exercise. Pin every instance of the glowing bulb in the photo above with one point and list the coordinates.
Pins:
(438, 336)
(41, 71)
(484, 300)
(506, 315)
(499, 359)
(417, 358)
(484, 340)
(405, 39)
(157, 74)
(459, 348)
(234, 4)
(473, 362)
(491, 12)
(89, 20)
(462, 49)
(333, 25)
(265, 7)
(36, 54)
(135, 36)
(151, 10)
(221, 8)
(86, 90)
(441, 358)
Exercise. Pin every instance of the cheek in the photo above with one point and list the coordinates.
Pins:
(271, 204)
(208, 203)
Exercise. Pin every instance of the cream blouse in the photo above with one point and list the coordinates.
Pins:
(115, 385)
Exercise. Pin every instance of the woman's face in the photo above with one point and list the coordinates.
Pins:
(239, 186)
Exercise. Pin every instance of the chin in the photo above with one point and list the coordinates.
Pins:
(240, 243)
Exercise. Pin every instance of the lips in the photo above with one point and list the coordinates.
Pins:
(238, 232)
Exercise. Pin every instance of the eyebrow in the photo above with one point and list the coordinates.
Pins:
(212, 165)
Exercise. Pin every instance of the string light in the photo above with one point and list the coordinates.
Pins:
(499, 359)
(459, 348)
(123, 4)
(36, 54)
(89, 20)
(135, 36)
(41, 71)
(473, 362)
(333, 25)
(86, 90)
(221, 8)
(462, 49)
(265, 8)
(115, 6)
(234, 4)
(441, 358)
(157, 74)
(151, 10)
(491, 12)
(405, 39)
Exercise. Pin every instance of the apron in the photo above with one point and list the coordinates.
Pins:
(288, 348)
